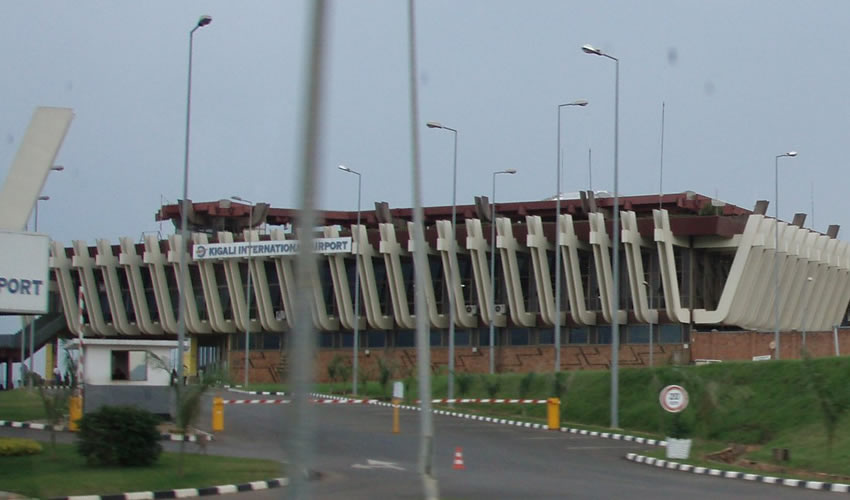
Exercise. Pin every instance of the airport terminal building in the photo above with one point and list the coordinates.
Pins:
(700, 275)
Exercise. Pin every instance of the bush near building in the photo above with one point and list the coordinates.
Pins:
(119, 435)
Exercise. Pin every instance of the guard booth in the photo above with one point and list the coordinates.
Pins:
(127, 372)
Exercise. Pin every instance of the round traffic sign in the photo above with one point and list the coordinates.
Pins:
(673, 398)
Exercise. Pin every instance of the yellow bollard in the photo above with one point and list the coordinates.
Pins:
(396, 426)
(553, 413)
(218, 414)
(75, 412)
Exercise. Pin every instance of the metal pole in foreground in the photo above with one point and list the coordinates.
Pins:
(451, 288)
(557, 319)
(776, 339)
(184, 233)
(493, 270)
(301, 441)
(615, 293)
(356, 341)
(430, 488)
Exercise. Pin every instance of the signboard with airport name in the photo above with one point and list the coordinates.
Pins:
(279, 248)
(24, 272)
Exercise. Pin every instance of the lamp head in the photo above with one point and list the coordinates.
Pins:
(510, 171)
(344, 168)
(57, 168)
(434, 125)
(792, 154)
(579, 102)
(43, 198)
(590, 49)
(204, 20)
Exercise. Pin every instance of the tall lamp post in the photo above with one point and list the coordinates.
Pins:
(615, 293)
(32, 322)
(184, 234)
(248, 293)
(451, 289)
(355, 346)
(581, 103)
(510, 171)
(790, 154)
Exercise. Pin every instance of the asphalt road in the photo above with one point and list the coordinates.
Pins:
(358, 457)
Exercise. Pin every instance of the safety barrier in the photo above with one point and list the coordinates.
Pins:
(553, 410)
(488, 401)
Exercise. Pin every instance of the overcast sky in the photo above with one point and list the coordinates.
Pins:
(742, 81)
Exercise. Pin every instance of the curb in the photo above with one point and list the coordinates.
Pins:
(727, 474)
(166, 436)
(187, 492)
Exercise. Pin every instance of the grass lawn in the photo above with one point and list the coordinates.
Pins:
(43, 476)
(21, 405)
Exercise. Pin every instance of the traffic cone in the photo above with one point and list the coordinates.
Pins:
(458, 461)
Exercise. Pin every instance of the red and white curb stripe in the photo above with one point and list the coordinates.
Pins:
(729, 474)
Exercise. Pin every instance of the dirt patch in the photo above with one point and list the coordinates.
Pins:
(733, 456)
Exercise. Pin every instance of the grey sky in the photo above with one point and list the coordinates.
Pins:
(743, 82)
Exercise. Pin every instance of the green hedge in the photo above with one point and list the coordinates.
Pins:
(13, 447)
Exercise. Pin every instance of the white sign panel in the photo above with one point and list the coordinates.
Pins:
(673, 398)
(267, 248)
(398, 390)
(24, 272)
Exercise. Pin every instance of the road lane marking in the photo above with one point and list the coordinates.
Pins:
(377, 464)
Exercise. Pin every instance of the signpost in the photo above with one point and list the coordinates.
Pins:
(673, 398)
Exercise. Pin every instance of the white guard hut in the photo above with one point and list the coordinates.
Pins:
(127, 372)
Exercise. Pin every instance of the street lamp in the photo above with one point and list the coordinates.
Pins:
(355, 347)
(580, 103)
(248, 293)
(184, 234)
(510, 171)
(452, 299)
(32, 322)
(790, 154)
(615, 293)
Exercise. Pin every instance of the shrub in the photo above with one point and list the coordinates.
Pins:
(385, 371)
(464, 383)
(559, 385)
(526, 383)
(493, 384)
(119, 435)
(13, 447)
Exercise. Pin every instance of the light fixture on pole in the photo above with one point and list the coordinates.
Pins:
(248, 292)
(790, 154)
(355, 347)
(184, 233)
(510, 171)
(580, 103)
(452, 256)
(615, 293)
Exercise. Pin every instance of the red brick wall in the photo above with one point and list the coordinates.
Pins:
(724, 346)
(507, 359)
(744, 345)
